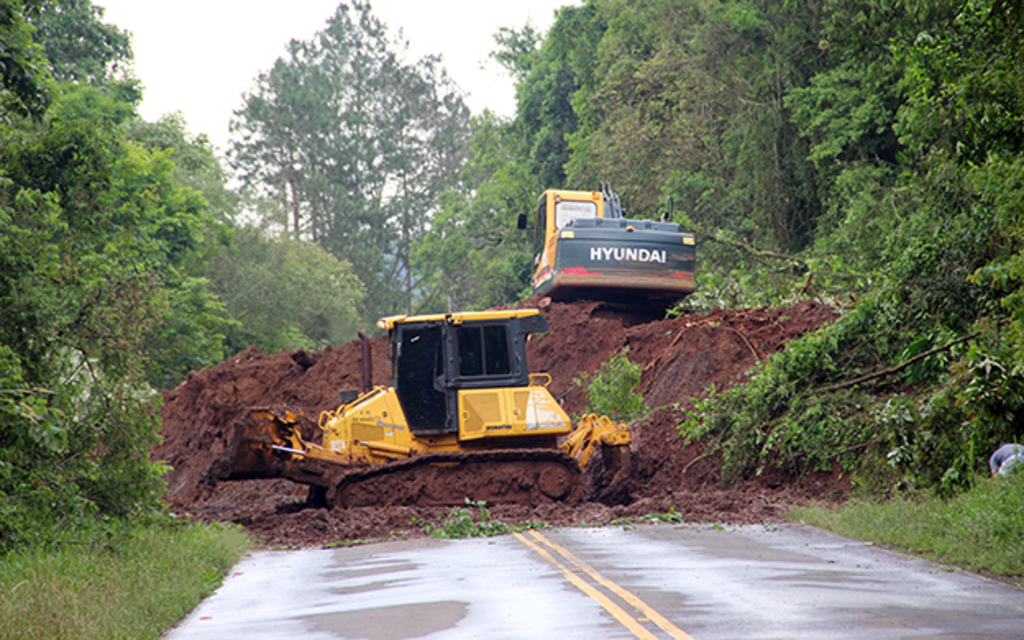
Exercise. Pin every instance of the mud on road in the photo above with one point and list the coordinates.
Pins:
(680, 357)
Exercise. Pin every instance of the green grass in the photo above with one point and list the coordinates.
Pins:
(138, 588)
(982, 529)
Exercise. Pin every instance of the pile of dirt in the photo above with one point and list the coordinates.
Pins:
(680, 357)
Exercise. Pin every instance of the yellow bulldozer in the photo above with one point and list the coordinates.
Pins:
(462, 418)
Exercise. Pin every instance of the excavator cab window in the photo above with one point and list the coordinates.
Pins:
(541, 228)
(568, 210)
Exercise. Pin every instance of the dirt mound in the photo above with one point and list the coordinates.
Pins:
(680, 357)
(200, 414)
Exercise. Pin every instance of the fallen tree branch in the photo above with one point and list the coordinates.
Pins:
(758, 253)
(753, 350)
(903, 365)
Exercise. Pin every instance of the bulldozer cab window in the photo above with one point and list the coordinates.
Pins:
(483, 350)
(419, 362)
(568, 210)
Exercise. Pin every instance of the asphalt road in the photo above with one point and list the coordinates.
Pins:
(664, 581)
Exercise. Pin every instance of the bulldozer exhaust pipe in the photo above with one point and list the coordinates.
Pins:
(367, 355)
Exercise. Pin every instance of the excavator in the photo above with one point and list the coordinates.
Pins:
(585, 247)
(462, 419)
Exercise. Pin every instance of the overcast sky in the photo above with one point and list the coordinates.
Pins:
(199, 56)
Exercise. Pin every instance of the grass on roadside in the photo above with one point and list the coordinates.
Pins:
(982, 529)
(139, 589)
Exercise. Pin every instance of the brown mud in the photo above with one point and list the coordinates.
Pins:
(681, 358)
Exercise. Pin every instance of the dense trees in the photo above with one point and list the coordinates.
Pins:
(919, 159)
(355, 146)
(869, 154)
(120, 270)
(85, 260)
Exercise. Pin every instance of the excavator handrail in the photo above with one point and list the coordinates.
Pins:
(539, 375)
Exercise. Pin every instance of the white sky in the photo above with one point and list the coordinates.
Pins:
(200, 56)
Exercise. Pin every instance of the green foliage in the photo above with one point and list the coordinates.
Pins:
(97, 235)
(964, 98)
(477, 224)
(288, 294)
(192, 333)
(23, 75)
(610, 391)
(670, 516)
(195, 166)
(78, 45)
(549, 78)
(135, 586)
(78, 297)
(472, 521)
(924, 226)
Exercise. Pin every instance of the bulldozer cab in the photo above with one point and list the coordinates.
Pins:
(433, 357)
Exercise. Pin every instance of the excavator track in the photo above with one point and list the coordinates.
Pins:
(502, 476)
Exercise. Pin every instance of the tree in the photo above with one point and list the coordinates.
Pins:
(99, 234)
(196, 164)
(22, 65)
(548, 74)
(477, 223)
(357, 146)
(922, 378)
(78, 45)
(286, 294)
(79, 288)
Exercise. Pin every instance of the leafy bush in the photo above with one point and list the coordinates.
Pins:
(610, 392)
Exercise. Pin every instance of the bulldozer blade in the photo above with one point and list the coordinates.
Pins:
(607, 476)
(268, 443)
(617, 465)
(258, 437)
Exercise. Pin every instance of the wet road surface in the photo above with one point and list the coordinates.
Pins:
(665, 581)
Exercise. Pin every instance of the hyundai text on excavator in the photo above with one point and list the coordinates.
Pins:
(463, 418)
(584, 247)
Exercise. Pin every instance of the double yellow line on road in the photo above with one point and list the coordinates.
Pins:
(538, 543)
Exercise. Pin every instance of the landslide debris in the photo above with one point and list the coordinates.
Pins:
(680, 357)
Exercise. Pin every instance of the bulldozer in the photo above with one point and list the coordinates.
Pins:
(462, 419)
(585, 247)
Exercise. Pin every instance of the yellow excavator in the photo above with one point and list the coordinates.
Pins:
(463, 418)
(585, 247)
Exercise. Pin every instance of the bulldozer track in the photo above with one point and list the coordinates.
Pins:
(503, 476)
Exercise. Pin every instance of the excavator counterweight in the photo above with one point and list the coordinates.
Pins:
(584, 247)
